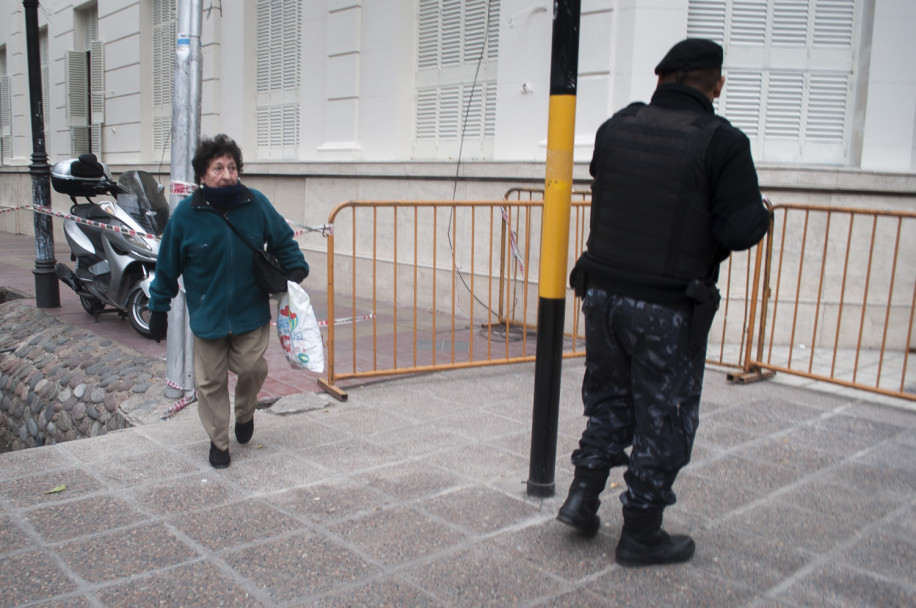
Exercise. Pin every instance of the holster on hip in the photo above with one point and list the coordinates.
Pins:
(705, 297)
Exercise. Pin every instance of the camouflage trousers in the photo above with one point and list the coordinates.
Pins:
(641, 390)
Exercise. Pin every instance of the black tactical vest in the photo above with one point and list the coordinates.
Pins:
(650, 200)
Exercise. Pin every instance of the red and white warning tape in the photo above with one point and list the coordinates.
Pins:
(179, 405)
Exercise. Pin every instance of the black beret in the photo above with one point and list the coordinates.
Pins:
(691, 54)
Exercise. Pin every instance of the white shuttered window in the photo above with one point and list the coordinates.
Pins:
(6, 112)
(790, 72)
(165, 19)
(279, 69)
(458, 47)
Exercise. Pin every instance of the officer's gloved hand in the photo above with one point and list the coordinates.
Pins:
(297, 275)
(158, 325)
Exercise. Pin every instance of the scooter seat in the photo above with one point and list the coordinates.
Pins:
(90, 212)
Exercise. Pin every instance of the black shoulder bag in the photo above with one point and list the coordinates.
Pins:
(268, 273)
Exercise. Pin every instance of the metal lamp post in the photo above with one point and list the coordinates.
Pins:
(47, 287)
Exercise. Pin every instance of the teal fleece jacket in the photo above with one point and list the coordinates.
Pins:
(217, 267)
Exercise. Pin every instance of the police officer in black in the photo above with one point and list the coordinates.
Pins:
(675, 190)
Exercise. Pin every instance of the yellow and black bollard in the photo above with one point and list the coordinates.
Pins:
(554, 246)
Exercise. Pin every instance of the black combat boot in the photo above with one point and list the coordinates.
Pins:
(581, 507)
(644, 543)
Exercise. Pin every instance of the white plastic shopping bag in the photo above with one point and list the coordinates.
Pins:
(298, 330)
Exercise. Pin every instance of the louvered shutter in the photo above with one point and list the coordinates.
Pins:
(789, 73)
(6, 122)
(77, 102)
(279, 66)
(164, 33)
(45, 85)
(97, 82)
(454, 38)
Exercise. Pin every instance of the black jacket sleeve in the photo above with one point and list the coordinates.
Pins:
(739, 217)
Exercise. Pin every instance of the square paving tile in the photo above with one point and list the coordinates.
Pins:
(83, 516)
(886, 554)
(111, 446)
(836, 585)
(196, 585)
(560, 550)
(107, 557)
(234, 524)
(410, 480)
(349, 456)
(136, 469)
(184, 494)
(299, 565)
(391, 592)
(396, 536)
(483, 576)
(12, 537)
(730, 552)
(30, 577)
(676, 586)
(794, 527)
(479, 510)
(273, 473)
(32, 491)
(331, 501)
(34, 460)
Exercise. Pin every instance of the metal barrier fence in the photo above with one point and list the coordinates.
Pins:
(442, 285)
(454, 284)
(840, 289)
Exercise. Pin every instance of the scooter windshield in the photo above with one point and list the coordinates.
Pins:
(144, 200)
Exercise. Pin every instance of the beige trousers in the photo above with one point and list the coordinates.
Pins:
(241, 354)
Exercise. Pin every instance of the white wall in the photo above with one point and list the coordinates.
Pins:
(358, 77)
(889, 139)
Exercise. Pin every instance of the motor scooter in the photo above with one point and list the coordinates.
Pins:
(115, 258)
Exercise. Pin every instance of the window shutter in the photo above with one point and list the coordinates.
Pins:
(451, 33)
(833, 22)
(784, 105)
(449, 111)
(827, 102)
(706, 19)
(789, 69)
(426, 114)
(457, 51)
(45, 84)
(428, 34)
(77, 102)
(279, 66)
(6, 122)
(790, 22)
(743, 94)
(748, 23)
(97, 81)
(489, 121)
(164, 34)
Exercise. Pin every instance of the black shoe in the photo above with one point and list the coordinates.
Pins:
(581, 507)
(219, 459)
(644, 543)
(244, 431)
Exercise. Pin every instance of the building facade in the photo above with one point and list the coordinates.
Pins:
(343, 99)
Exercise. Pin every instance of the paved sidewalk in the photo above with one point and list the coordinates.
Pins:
(412, 493)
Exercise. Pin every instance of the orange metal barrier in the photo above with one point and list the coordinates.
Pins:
(440, 285)
(829, 294)
(843, 287)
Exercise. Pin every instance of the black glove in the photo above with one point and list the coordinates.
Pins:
(297, 275)
(158, 325)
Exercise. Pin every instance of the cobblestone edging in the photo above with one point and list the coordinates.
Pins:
(59, 382)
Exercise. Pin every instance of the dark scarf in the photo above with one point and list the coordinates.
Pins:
(224, 198)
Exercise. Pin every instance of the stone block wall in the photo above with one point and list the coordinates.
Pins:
(59, 382)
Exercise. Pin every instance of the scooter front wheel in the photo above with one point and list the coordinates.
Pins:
(138, 311)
